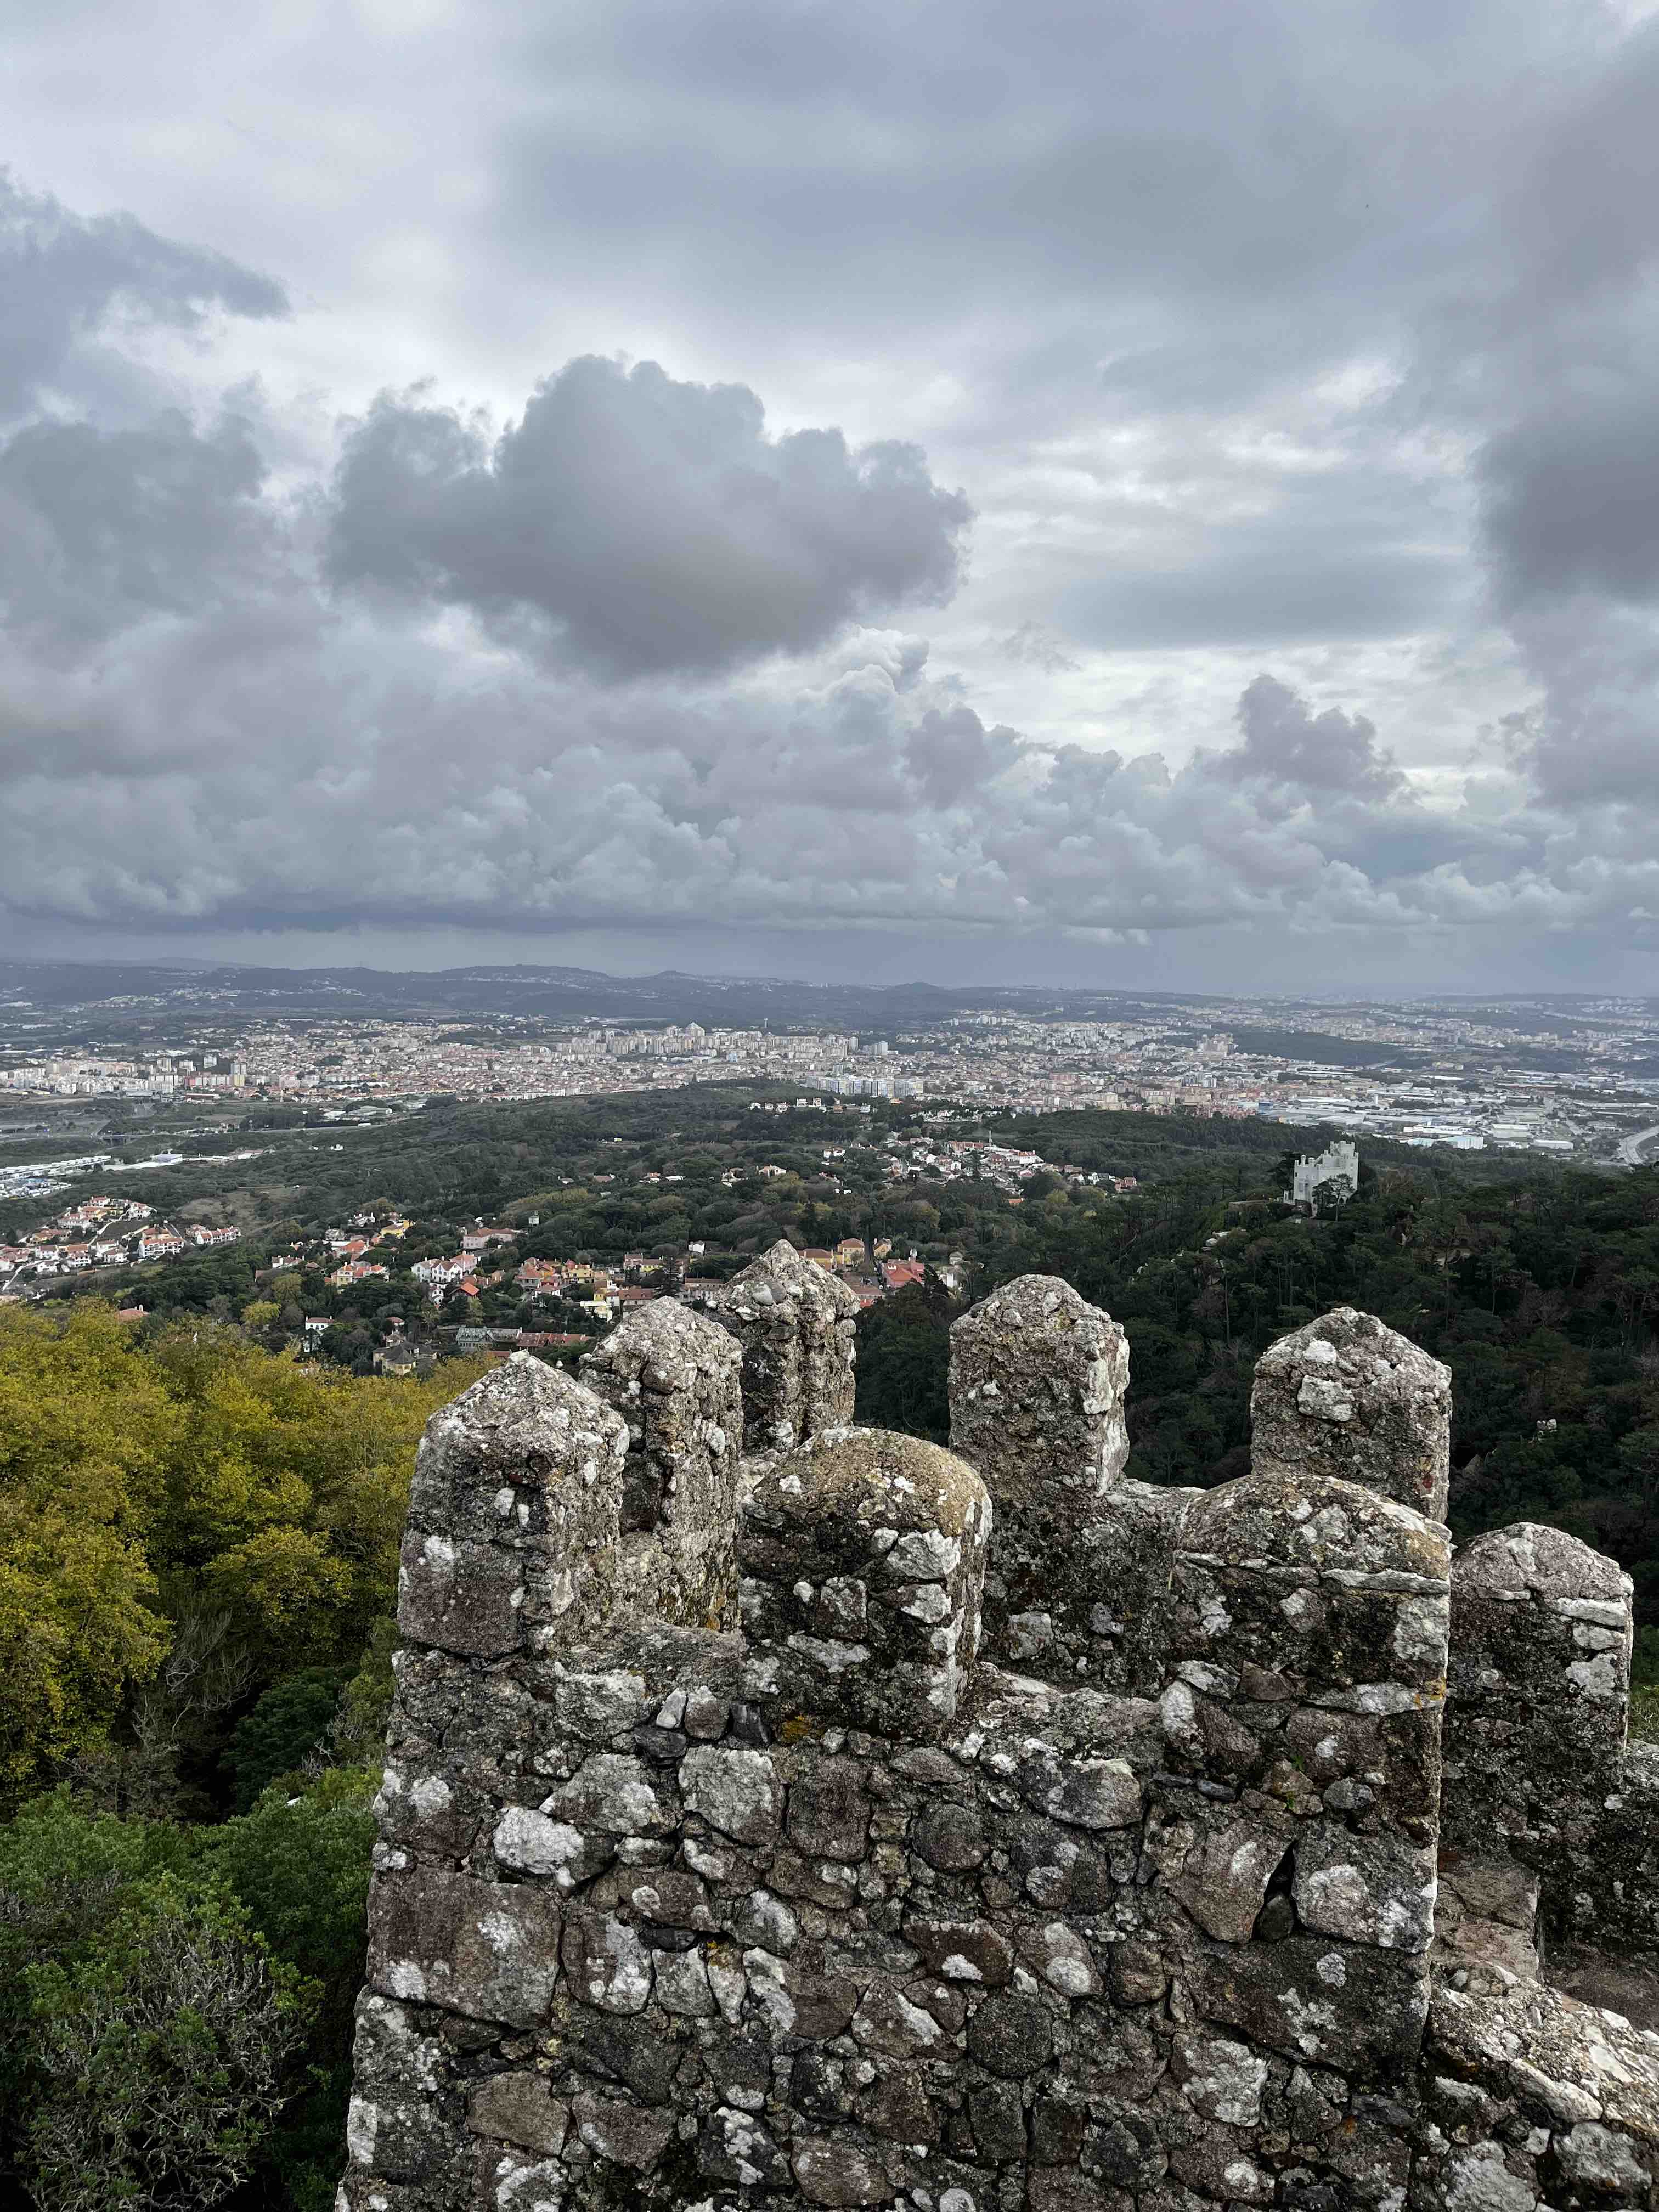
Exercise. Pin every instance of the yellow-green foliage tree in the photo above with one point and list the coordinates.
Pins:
(140, 1481)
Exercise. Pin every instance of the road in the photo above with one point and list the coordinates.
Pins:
(1632, 1151)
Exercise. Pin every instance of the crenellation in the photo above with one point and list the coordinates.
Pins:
(720, 1866)
(675, 1378)
(514, 1514)
(1304, 1682)
(1536, 1724)
(1080, 1558)
(862, 1557)
(793, 1320)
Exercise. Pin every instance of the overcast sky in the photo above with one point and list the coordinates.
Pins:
(1097, 490)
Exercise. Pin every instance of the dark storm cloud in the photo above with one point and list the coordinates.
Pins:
(1573, 491)
(655, 524)
(64, 280)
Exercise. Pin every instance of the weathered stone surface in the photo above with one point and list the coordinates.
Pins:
(626, 2135)
(520, 2108)
(1583, 2087)
(950, 1838)
(1346, 1397)
(1038, 1378)
(608, 1966)
(830, 2172)
(1223, 1877)
(736, 1790)
(1374, 1889)
(1539, 1697)
(513, 1512)
(830, 1812)
(1036, 1384)
(394, 2128)
(962, 1950)
(826, 1910)
(486, 1949)
(1014, 2035)
(793, 1321)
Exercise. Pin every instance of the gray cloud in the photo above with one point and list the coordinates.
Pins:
(655, 524)
(65, 280)
(1285, 742)
(101, 528)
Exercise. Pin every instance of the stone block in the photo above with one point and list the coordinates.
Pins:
(1309, 1627)
(515, 1513)
(1036, 1384)
(1539, 1688)
(489, 1950)
(675, 1378)
(1037, 1379)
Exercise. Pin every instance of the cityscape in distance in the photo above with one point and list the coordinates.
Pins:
(1572, 1076)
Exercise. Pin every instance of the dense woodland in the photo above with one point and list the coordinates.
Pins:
(198, 1566)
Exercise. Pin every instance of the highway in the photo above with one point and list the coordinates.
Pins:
(1633, 1151)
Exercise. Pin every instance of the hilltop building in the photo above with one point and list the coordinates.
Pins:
(1326, 1178)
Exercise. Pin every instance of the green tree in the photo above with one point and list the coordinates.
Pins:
(150, 2036)
(288, 1725)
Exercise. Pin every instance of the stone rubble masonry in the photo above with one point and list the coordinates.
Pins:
(794, 1322)
(1036, 1384)
(1304, 1683)
(513, 1514)
(810, 1900)
(1346, 1397)
(1037, 1377)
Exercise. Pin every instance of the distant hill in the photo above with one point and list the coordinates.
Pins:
(554, 993)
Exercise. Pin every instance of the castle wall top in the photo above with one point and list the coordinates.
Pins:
(501, 1543)
(833, 1911)
(1038, 1378)
(863, 1556)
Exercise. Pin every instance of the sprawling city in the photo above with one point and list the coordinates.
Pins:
(1573, 1077)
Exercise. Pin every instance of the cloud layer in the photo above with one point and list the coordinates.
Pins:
(1120, 475)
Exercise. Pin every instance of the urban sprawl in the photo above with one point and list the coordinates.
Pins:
(1461, 1082)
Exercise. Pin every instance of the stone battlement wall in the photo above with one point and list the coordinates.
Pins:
(856, 1822)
